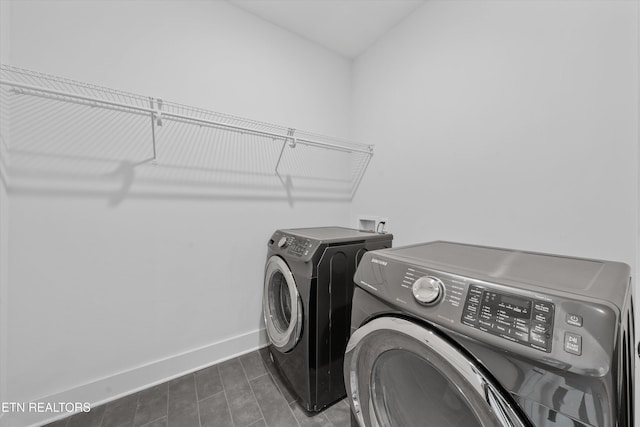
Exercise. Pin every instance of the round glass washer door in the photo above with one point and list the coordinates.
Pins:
(281, 305)
(402, 374)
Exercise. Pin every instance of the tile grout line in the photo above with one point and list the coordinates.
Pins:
(313, 416)
(198, 409)
(168, 397)
(328, 419)
(133, 422)
(273, 378)
(279, 385)
(253, 392)
(260, 376)
(224, 390)
(102, 417)
(153, 421)
(208, 397)
(285, 400)
(276, 383)
(195, 385)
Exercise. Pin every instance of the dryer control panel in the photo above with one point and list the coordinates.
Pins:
(299, 247)
(516, 318)
(555, 326)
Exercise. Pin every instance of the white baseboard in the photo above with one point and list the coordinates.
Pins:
(140, 378)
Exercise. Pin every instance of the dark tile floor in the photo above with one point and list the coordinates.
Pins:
(241, 392)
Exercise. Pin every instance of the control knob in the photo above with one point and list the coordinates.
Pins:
(282, 243)
(427, 290)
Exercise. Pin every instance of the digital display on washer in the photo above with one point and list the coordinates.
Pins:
(505, 308)
(516, 303)
(299, 247)
(523, 320)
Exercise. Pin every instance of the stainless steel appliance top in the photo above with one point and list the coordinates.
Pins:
(334, 234)
(603, 280)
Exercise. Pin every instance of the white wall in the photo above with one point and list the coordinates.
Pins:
(4, 207)
(511, 124)
(505, 123)
(108, 278)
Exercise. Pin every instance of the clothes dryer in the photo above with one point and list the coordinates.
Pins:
(448, 334)
(308, 288)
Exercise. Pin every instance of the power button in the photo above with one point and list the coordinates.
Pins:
(574, 320)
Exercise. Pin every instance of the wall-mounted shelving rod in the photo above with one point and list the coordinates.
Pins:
(75, 96)
(181, 117)
(213, 123)
(304, 141)
(341, 169)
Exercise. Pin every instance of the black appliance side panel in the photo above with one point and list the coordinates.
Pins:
(333, 316)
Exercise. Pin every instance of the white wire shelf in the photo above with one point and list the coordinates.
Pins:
(173, 126)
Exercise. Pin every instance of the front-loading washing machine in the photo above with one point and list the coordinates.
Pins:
(308, 288)
(448, 334)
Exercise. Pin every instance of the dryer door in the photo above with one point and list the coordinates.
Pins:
(281, 304)
(399, 373)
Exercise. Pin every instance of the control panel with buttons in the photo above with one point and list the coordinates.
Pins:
(296, 246)
(548, 325)
(299, 247)
(526, 321)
